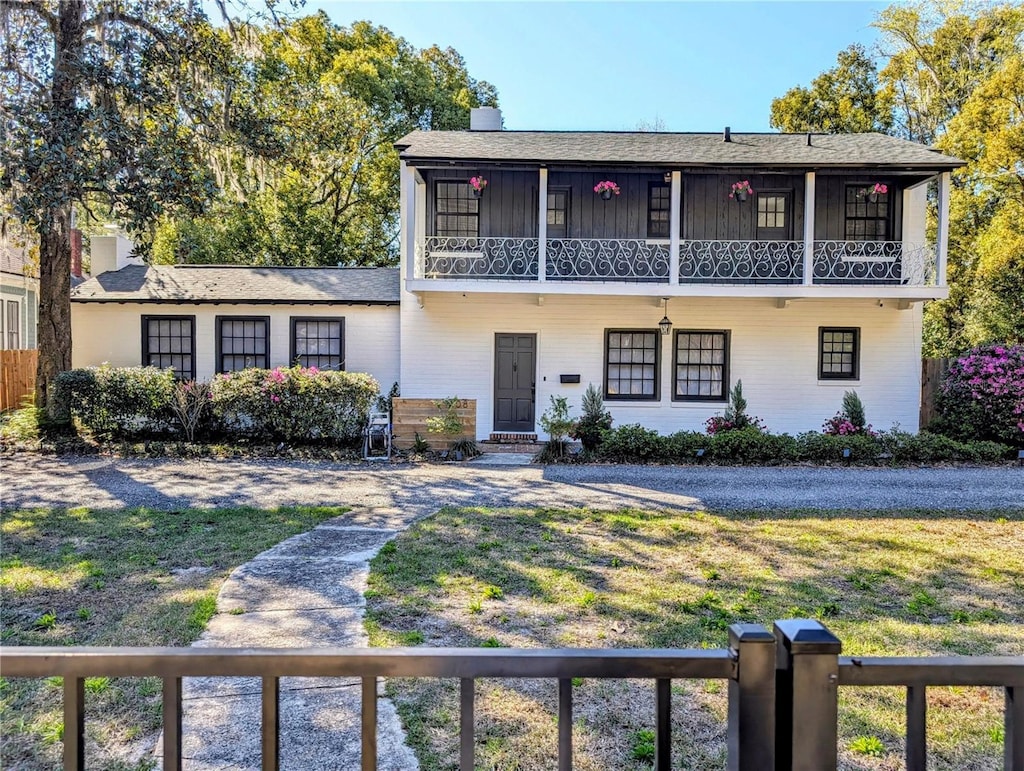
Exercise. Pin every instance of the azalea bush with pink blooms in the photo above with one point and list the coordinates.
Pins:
(850, 420)
(293, 404)
(982, 396)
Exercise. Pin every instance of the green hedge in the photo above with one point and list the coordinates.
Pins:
(293, 404)
(286, 404)
(636, 444)
(115, 402)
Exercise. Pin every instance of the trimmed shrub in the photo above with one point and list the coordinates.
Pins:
(682, 446)
(735, 417)
(751, 445)
(927, 447)
(294, 404)
(632, 444)
(594, 421)
(116, 402)
(825, 448)
(982, 396)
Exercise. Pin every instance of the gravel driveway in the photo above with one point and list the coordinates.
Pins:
(403, 492)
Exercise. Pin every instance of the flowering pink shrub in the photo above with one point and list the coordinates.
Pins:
(840, 425)
(718, 424)
(982, 396)
(294, 404)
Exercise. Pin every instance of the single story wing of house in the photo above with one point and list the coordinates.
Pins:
(200, 320)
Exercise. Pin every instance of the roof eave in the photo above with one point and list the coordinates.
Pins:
(229, 301)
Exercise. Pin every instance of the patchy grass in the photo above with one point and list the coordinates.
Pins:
(887, 583)
(127, 577)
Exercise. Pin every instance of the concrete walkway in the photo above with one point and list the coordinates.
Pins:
(308, 590)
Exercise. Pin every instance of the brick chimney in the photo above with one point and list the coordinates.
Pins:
(76, 252)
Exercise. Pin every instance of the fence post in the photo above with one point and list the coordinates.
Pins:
(807, 690)
(751, 730)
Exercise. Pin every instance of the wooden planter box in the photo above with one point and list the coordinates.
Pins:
(409, 417)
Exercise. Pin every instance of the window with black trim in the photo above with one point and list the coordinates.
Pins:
(701, 365)
(659, 210)
(242, 342)
(631, 364)
(839, 353)
(866, 219)
(169, 342)
(457, 210)
(319, 342)
(558, 212)
(13, 324)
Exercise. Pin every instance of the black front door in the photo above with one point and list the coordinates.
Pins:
(515, 366)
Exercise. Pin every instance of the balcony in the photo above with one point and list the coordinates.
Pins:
(709, 263)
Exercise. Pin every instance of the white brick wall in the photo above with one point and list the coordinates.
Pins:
(448, 348)
(110, 332)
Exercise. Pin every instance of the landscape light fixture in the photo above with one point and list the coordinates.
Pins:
(665, 323)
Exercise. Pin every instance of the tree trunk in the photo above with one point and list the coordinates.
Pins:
(64, 133)
(54, 301)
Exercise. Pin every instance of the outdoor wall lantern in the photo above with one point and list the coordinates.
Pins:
(665, 323)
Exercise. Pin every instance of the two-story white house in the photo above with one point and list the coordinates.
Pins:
(795, 263)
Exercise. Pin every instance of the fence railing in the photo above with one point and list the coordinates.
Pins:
(782, 694)
(872, 263)
(17, 377)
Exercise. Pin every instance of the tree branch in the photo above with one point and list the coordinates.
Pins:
(17, 70)
(105, 17)
(35, 7)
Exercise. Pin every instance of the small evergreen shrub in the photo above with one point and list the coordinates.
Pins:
(735, 417)
(632, 444)
(751, 445)
(294, 404)
(982, 396)
(116, 402)
(594, 421)
(850, 419)
(682, 446)
(557, 425)
(825, 448)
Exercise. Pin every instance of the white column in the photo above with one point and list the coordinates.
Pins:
(542, 225)
(675, 197)
(942, 239)
(406, 208)
(809, 228)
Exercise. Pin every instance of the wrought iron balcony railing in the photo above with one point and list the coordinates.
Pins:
(851, 263)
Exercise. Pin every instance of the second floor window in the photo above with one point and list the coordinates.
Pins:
(659, 209)
(458, 210)
(318, 342)
(168, 342)
(242, 341)
(866, 220)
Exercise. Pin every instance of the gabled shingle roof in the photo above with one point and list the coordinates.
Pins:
(238, 284)
(663, 149)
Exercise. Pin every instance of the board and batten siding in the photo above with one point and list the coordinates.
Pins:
(709, 213)
(112, 333)
(448, 349)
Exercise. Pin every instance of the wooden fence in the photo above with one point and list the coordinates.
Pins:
(17, 377)
(932, 372)
(409, 417)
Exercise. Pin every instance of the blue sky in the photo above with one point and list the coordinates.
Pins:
(582, 65)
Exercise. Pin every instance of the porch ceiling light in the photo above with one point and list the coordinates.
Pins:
(665, 323)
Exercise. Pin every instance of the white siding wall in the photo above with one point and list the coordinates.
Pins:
(448, 349)
(111, 332)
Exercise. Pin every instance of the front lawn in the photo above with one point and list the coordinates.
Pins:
(125, 577)
(887, 583)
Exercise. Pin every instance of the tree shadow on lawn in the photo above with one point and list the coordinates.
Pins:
(678, 579)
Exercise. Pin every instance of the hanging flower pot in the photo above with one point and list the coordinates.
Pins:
(741, 190)
(875, 191)
(478, 184)
(607, 189)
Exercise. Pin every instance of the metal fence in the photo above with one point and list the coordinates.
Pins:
(783, 689)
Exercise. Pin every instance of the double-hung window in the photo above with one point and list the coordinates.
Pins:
(701, 365)
(13, 324)
(242, 342)
(318, 342)
(839, 353)
(659, 206)
(458, 210)
(631, 364)
(169, 342)
(866, 219)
